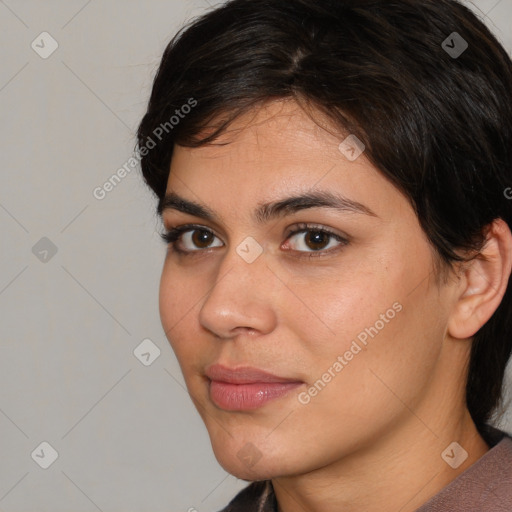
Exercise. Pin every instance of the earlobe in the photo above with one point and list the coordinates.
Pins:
(484, 282)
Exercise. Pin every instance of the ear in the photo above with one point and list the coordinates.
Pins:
(483, 282)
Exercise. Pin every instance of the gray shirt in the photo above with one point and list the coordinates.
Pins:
(486, 486)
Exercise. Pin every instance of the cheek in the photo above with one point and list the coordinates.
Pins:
(329, 309)
(374, 385)
(180, 299)
(383, 358)
(384, 322)
(176, 307)
(168, 301)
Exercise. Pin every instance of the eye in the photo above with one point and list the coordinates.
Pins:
(193, 238)
(314, 239)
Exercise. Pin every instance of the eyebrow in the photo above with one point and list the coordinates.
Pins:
(268, 211)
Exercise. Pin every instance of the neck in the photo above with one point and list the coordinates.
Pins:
(400, 471)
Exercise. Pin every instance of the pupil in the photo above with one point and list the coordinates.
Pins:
(204, 239)
(317, 237)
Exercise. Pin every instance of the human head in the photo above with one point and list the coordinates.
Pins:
(438, 128)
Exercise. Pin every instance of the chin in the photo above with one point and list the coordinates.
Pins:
(248, 474)
(244, 460)
(259, 471)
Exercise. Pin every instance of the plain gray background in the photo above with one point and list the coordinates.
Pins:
(127, 435)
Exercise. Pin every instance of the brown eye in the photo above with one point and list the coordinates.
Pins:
(317, 240)
(311, 240)
(189, 239)
(202, 238)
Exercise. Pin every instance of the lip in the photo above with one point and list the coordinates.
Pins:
(246, 388)
(242, 375)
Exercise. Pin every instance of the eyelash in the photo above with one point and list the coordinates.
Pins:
(172, 236)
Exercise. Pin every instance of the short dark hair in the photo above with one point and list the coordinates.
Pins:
(435, 123)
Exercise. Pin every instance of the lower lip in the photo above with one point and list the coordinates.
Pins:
(241, 397)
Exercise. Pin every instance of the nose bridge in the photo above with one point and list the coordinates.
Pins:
(238, 298)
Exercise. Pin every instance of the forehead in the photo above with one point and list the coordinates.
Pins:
(271, 153)
(275, 142)
(279, 126)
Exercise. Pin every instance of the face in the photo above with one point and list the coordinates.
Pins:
(337, 302)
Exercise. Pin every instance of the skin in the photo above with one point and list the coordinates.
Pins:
(372, 438)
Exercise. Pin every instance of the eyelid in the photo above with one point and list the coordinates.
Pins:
(312, 226)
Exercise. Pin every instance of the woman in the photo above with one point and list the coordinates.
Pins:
(332, 178)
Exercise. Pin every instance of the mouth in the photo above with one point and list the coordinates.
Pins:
(246, 388)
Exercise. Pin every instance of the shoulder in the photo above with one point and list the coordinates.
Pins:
(256, 497)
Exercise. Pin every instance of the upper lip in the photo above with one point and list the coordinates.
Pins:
(242, 375)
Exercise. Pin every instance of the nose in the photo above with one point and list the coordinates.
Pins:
(241, 298)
